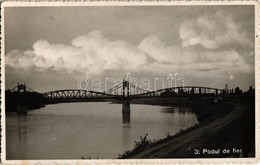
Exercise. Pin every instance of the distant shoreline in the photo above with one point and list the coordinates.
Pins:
(160, 101)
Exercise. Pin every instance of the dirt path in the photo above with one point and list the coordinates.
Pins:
(185, 144)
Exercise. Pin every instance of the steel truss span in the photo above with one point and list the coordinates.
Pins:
(121, 91)
(132, 93)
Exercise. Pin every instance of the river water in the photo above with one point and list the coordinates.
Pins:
(89, 130)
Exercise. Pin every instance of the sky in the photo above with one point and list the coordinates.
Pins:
(51, 48)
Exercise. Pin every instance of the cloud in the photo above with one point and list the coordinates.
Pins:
(96, 54)
(214, 31)
(172, 58)
(203, 48)
(90, 53)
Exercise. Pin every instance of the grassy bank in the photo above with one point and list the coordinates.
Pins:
(239, 134)
(223, 126)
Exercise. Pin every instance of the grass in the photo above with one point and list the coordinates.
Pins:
(139, 146)
(241, 136)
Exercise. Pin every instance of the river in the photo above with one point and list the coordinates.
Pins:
(89, 130)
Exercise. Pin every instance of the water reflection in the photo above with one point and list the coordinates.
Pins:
(101, 129)
(22, 134)
(126, 132)
(177, 110)
(126, 117)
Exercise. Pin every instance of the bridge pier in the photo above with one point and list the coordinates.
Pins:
(21, 104)
(126, 106)
(126, 117)
(21, 108)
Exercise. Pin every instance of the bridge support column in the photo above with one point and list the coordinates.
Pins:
(126, 117)
(126, 106)
(21, 109)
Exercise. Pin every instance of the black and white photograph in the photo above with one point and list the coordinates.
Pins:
(101, 81)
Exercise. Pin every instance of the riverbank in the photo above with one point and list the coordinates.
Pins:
(225, 130)
(23, 102)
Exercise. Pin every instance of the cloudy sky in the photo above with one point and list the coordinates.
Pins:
(53, 47)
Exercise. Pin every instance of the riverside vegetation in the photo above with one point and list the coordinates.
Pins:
(224, 125)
